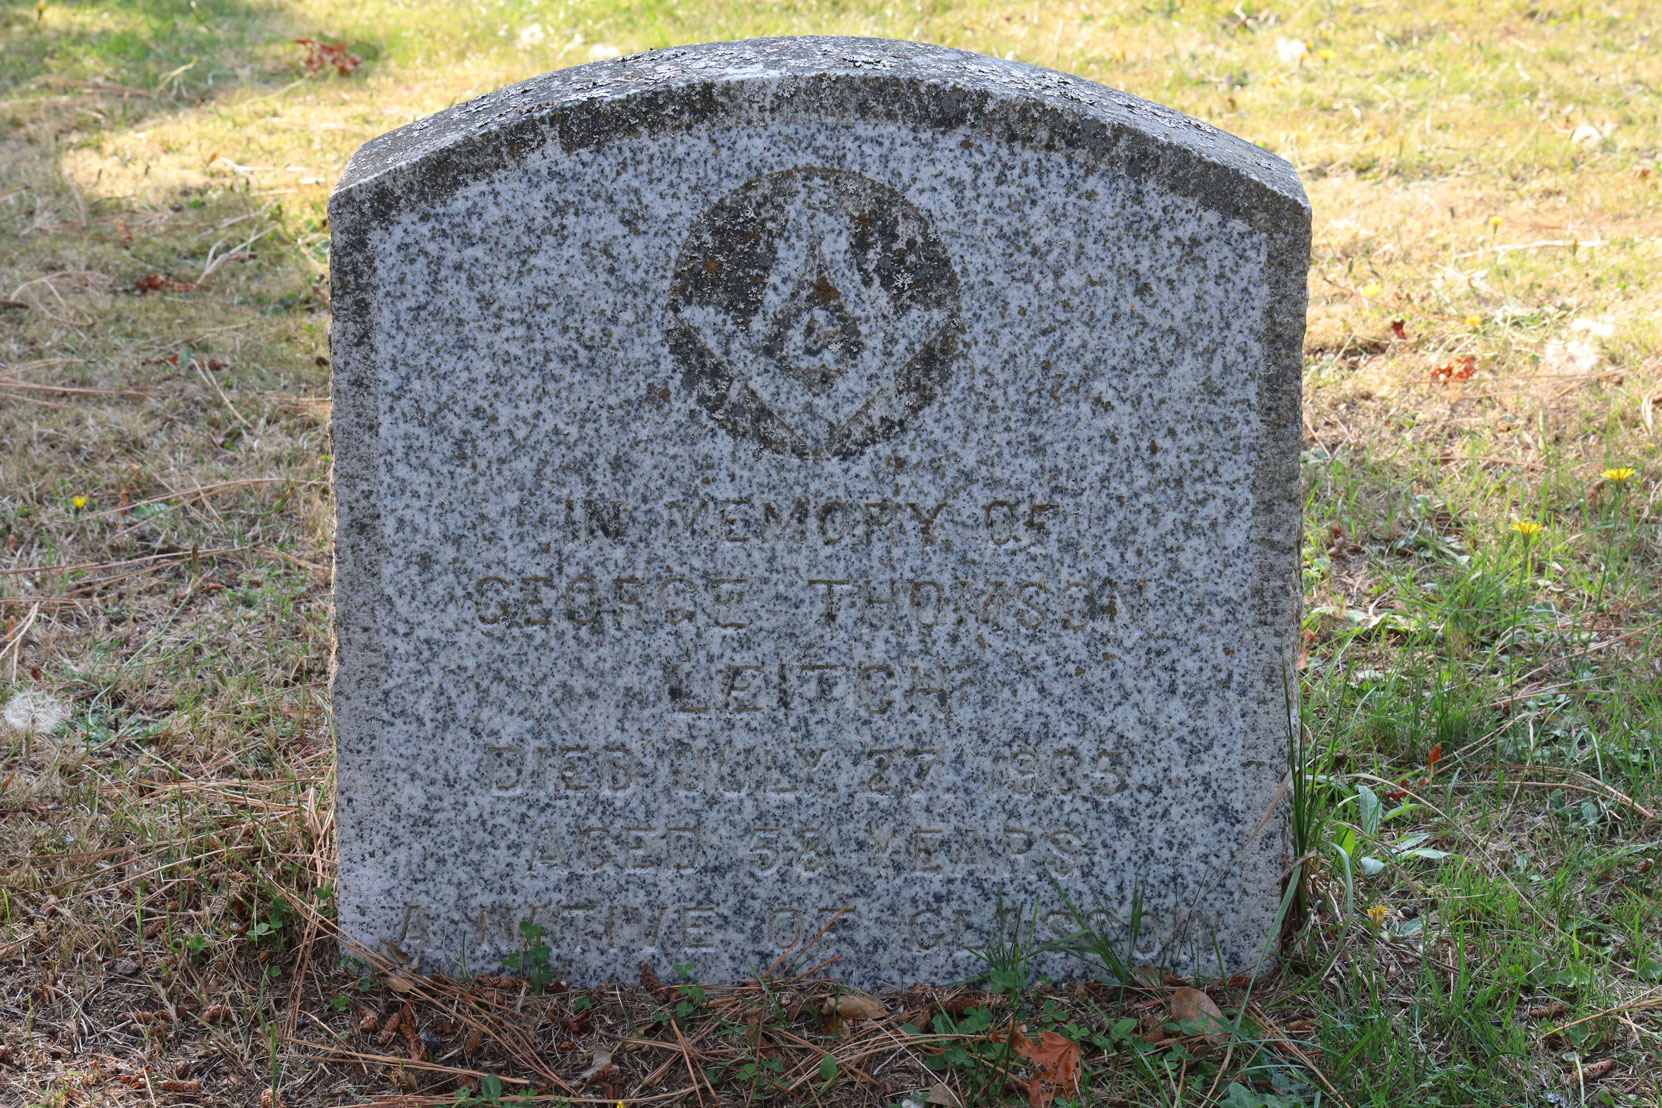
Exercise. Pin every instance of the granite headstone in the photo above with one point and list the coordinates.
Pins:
(813, 488)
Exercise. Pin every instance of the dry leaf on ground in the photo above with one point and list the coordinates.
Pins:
(1055, 1066)
(853, 1006)
(602, 1059)
(1194, 1007)
(1592, 1071)
(940, 1094)
(398, 983)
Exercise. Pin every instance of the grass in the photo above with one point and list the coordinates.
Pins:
(1481, 708)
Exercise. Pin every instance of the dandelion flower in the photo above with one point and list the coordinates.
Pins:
(1494, 221)
(1619, 474)
(1371, 289)
(1528, 528)
(1474, 320)
(1376, 916)
(78, 501)
(1325, 55)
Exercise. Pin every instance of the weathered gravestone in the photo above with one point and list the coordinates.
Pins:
(796, 475)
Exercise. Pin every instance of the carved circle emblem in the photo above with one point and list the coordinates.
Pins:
(813, 312)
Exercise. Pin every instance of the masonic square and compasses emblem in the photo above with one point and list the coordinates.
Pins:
(813, 312)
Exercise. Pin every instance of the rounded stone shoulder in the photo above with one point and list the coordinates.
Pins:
(757, 81)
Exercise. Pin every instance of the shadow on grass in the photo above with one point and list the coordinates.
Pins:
(159, 55)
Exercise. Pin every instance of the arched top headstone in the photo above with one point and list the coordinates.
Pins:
(765, 82)
(801, 475)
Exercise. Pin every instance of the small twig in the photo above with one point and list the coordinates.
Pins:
(1518, 462)
(301, 562)
(1604, 790)
(19, 383)
(692, 1071)
(392, 1060)
(1632, 1006)
(1544, 244)
(108, 87)
(1588, 649)
(214, 263)
(202, 371)
(202, 492)
(175, 554)
(14, 645)
(1285, 1039)
(37, 400)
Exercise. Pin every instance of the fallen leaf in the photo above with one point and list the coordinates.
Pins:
(398, 983)
(390, 1028)
(1597, 1069)
(1399, 328)
(940, 1094)
(606, 1079)
(174, 1086)
(1460, 369)
(323, 55)
(412, 1037)
(1055, 1066)
(1191, 1006)
(853, 1006)
(157, 282)
(602, 1059)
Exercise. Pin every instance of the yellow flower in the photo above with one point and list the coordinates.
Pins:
(1494, 221)
(1474, 320)
(78, 501)
(1527, 528)
(1376, 916)
(1325, 55)
(1371, 289)
(1620, 474)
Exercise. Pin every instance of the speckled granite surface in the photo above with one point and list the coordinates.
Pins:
(804, 474)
